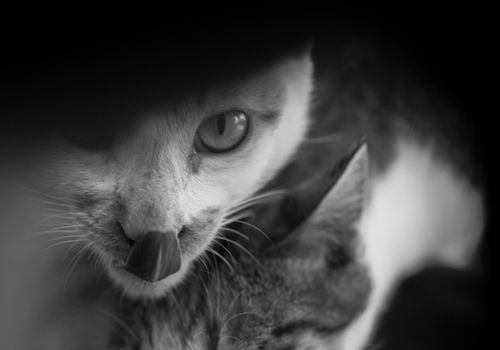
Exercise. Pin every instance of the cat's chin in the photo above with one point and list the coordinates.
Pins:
(136, 287)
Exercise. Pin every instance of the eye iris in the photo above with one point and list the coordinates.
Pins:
(222, 132)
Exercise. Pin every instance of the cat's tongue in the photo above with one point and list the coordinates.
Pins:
(154, 256)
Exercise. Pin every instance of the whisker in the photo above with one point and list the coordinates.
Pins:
(232, 257)
(67, 226)
(240, 215)
(37, 235)
(53, 197)
(58, 231)
(76, 258)
(55, 239)
(235, 232)
(254, 227)
(207, 296)
(233, 303)
(65, 215)
(70, 248)
(201, 258)
(56, 228)
(45, 208)
(221, 257)
(239, 206)
(94, 261)
(61, 243)
(261, 196)
(218, 287)
(52, 204)
(242, 248)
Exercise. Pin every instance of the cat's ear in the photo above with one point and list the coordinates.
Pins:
(330, 228)
(343, 204)
(335, 218)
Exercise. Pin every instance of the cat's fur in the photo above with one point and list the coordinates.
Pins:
(320, 273)
(325, 285)
(139, 186)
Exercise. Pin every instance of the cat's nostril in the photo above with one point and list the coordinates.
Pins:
(122, 233)
(154, 256)
(182, 232)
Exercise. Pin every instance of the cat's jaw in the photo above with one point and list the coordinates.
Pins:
(116, 267)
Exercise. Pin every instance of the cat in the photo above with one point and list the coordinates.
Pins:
(315, 280)
(333, 255)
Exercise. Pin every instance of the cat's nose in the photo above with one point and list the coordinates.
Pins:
(154, 256)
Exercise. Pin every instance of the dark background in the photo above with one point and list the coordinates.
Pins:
(67, 66)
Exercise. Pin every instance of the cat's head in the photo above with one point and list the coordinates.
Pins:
(151, 201)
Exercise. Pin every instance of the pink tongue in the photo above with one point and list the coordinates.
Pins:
(154, 256)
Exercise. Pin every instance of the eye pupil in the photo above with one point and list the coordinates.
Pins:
(221, 125)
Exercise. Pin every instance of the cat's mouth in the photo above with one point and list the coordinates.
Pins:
(139, 287)
(154, 263)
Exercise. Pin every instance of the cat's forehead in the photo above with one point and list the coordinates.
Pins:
(262, 92)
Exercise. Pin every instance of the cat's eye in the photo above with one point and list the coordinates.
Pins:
(222, 132)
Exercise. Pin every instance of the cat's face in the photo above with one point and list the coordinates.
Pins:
(152, 202)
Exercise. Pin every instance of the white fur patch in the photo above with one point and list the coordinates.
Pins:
(421, 211)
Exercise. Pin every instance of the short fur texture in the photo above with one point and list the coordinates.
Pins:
(308, 262)
(153, 179)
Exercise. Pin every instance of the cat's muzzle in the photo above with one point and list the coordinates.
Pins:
(154, 256)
